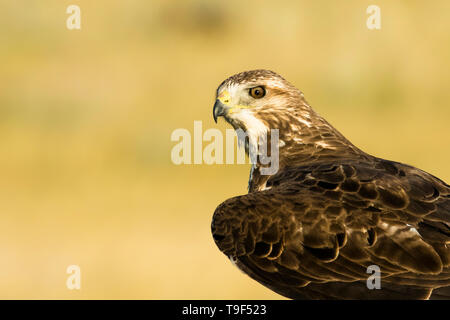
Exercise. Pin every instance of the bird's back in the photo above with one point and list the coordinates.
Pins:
(315, 230)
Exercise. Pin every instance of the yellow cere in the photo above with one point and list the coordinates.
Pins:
(224, 97)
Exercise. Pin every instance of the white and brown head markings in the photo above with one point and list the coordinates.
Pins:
(304, 135)
(311, 230)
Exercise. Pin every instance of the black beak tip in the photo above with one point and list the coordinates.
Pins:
(217, 110)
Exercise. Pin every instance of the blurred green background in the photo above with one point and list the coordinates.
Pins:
(86, 117)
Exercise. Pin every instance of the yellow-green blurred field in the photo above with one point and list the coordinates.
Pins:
(86, 117)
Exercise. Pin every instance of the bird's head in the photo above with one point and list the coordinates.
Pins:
(260, 101)
(251, 99)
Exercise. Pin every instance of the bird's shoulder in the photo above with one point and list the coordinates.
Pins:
(386, 184)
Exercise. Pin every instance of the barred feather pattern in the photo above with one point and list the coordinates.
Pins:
(311, 230)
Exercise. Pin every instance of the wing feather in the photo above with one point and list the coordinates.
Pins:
(316, 229)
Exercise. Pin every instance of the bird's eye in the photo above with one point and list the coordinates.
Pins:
(257, 92)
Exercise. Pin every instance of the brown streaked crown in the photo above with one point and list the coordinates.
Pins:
(254, 76)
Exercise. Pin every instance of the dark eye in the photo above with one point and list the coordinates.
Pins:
(257, 92)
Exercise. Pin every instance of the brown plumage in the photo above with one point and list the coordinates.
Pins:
(310, 230)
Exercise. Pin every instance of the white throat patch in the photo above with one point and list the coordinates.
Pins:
(256, 129)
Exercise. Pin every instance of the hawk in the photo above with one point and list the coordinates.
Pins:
(313, 229)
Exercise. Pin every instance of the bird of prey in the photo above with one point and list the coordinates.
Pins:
(312, 229)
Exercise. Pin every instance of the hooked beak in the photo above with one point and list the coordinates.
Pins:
(219, 110)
